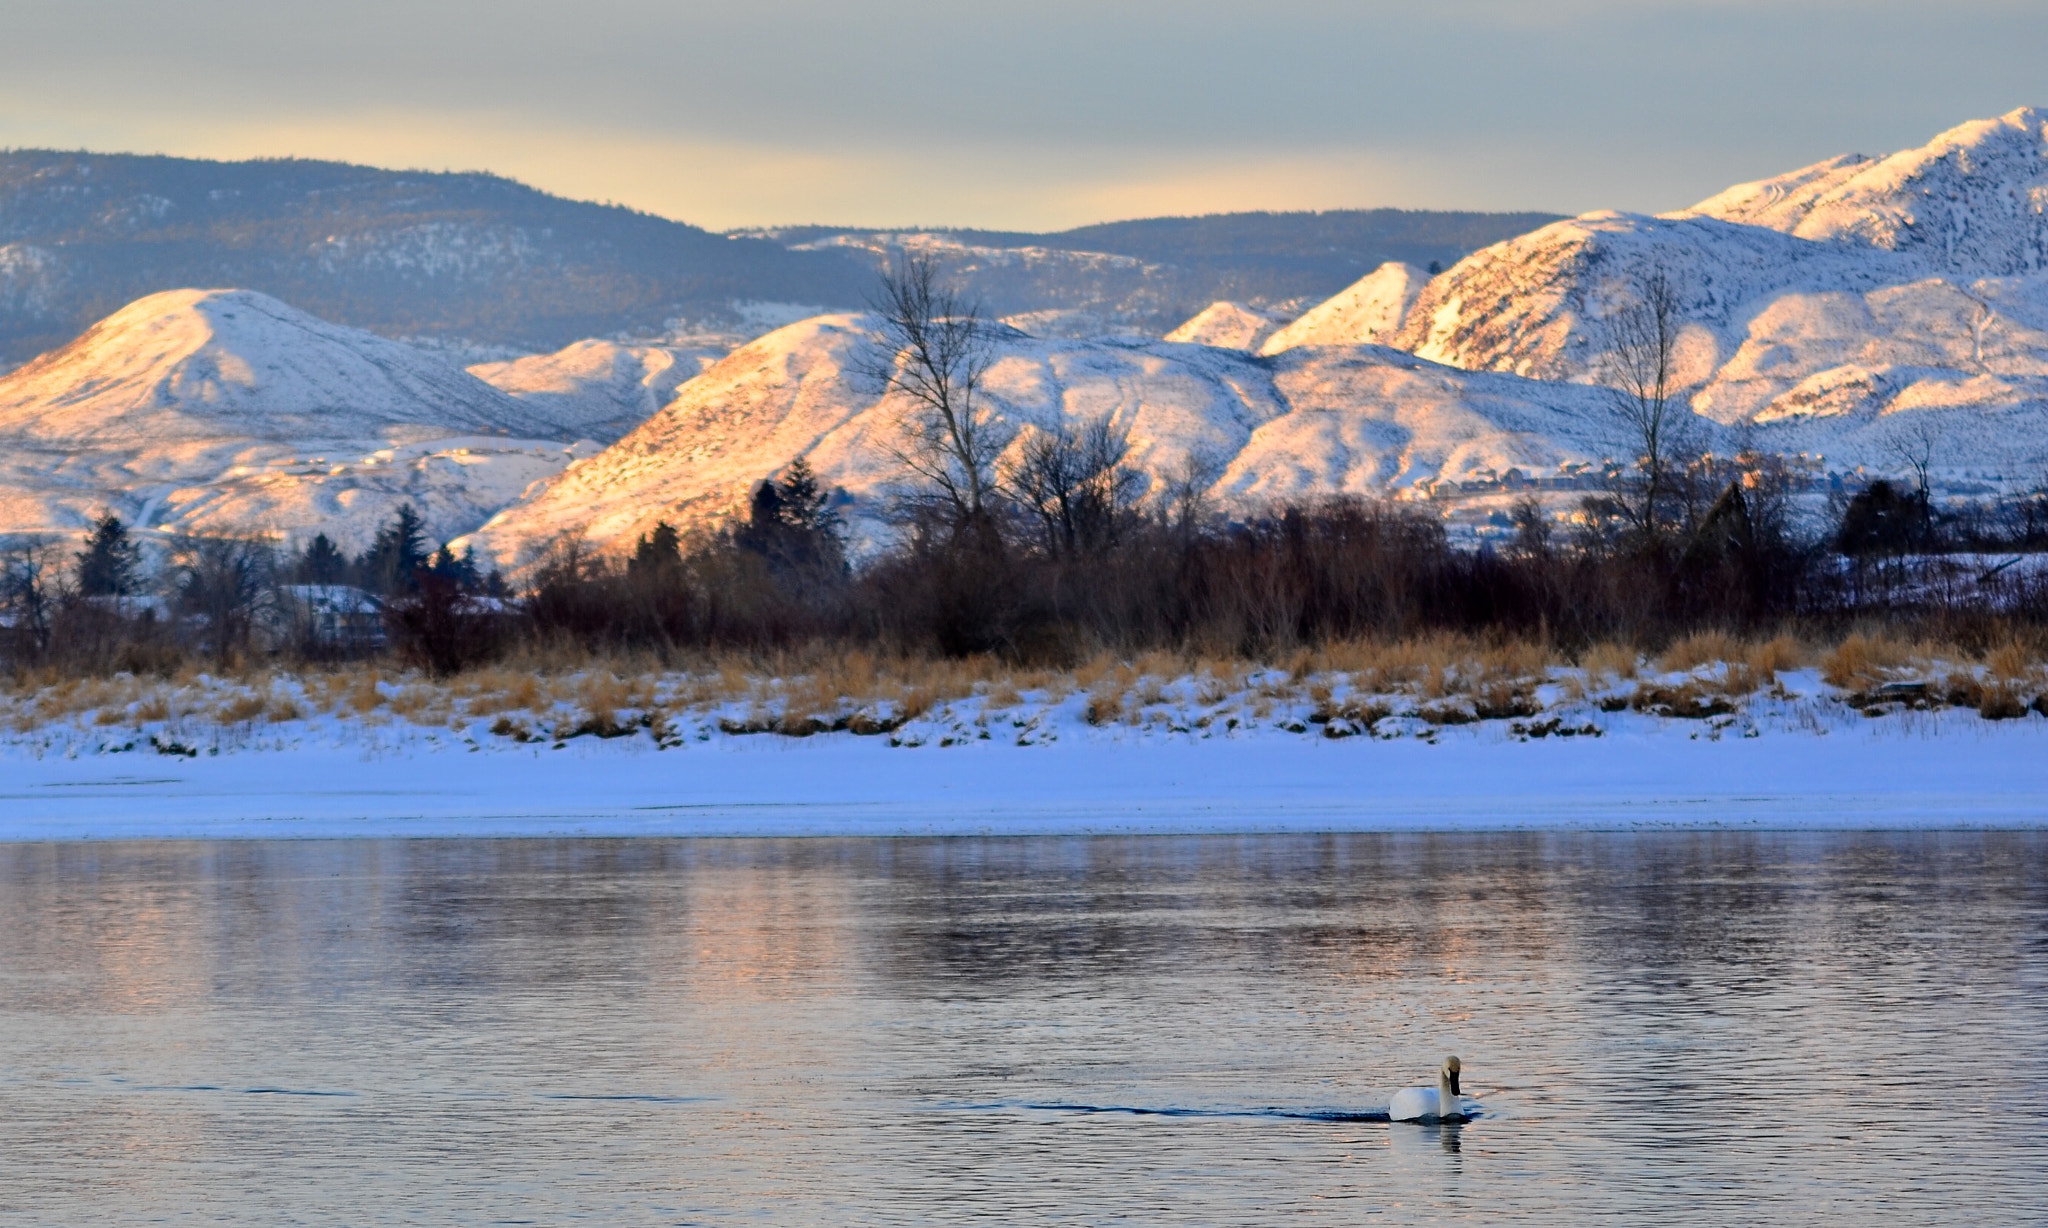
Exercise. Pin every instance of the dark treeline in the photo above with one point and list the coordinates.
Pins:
(114, 604)
(1046, 574)
(1055, 580)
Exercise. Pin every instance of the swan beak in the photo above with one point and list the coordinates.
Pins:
(1454, 1084)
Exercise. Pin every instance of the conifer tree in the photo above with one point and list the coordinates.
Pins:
(459, 570)
(398, 554)
(322, 562)
(107, 565)
(658, 555)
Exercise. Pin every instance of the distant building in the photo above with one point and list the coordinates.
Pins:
(331, 615)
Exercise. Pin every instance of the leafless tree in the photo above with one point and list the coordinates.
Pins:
(1640, 367)
(1532, 527)
(224, 582)
(935, 351)
(1185, 501)
(1075, 483)
(25, 599)
(1913, 442)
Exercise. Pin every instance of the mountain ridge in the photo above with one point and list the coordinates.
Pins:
(470, 259)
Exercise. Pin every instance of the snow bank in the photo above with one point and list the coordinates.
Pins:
(1797, 757)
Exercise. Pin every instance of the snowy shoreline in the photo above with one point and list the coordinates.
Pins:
(1777, 765)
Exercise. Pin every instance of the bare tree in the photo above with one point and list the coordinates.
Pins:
(224, 582)
(937, 348)
(25, 600)
(1184, 503)
(1640, 367)
(1913, 443)
(1076, 483)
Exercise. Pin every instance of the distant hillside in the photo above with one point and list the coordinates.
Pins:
(480, 260)
(1165, 269)
(471, 257)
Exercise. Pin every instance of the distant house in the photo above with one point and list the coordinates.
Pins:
(133, 605)
(331, 615)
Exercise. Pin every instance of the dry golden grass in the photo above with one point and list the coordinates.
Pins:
(1105, 703)
(1478, 675)
(361, 694)
(2013, 663)
(1702, 648)
(1775, 655)
(1861, 662)
(1619, 662)
(243, 708)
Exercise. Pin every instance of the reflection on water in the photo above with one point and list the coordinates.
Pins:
(1704, 1027)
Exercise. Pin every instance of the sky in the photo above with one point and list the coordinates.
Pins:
(1036, 115)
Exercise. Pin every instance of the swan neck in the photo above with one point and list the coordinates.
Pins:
(1447, 1102)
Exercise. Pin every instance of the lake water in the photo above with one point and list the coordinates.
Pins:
(1728, 1028)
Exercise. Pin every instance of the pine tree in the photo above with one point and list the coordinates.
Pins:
(459, 570)
(398, 554)
(804, 505)
(322, 562)
(107, 565)
(658, 555)
(790, 524)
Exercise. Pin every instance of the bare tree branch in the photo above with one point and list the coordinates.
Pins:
(1640, 368)
(1076, 483)
(936, 351)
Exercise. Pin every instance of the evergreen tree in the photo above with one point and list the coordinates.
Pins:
(1882, 519)
(322, 562)
(397, 555)
(107, 565)
(804, 505)
(790, 523)
(459, 570)
(657, 556)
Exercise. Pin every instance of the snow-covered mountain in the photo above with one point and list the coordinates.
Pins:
(1973, 202)
(601, 389)
(1316, 420)
(1227, 325)
(460, 258)
(227, 410)
(1852, 311)
(1836, 306)
(1370, 311)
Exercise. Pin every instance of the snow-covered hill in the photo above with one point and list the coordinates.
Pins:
(1370, 311)
(1853, 310)
(1227, 325)
(1973, 202)
(600, 389)
(230, 411)
(1312, 421)
(1839, 308)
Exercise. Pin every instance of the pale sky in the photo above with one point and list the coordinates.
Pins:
(1028, 115)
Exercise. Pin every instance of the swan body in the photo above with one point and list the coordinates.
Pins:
(1439, 1103)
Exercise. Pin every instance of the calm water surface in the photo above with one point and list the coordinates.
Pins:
(1687, 1027)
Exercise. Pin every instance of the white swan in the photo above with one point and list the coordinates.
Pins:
(1439, 1103)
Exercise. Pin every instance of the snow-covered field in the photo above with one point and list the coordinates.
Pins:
(1165, 756)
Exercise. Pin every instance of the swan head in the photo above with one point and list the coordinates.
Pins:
(1450, 1074)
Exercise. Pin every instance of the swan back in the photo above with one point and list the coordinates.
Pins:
(1431, 1103)
(1413, 1104)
